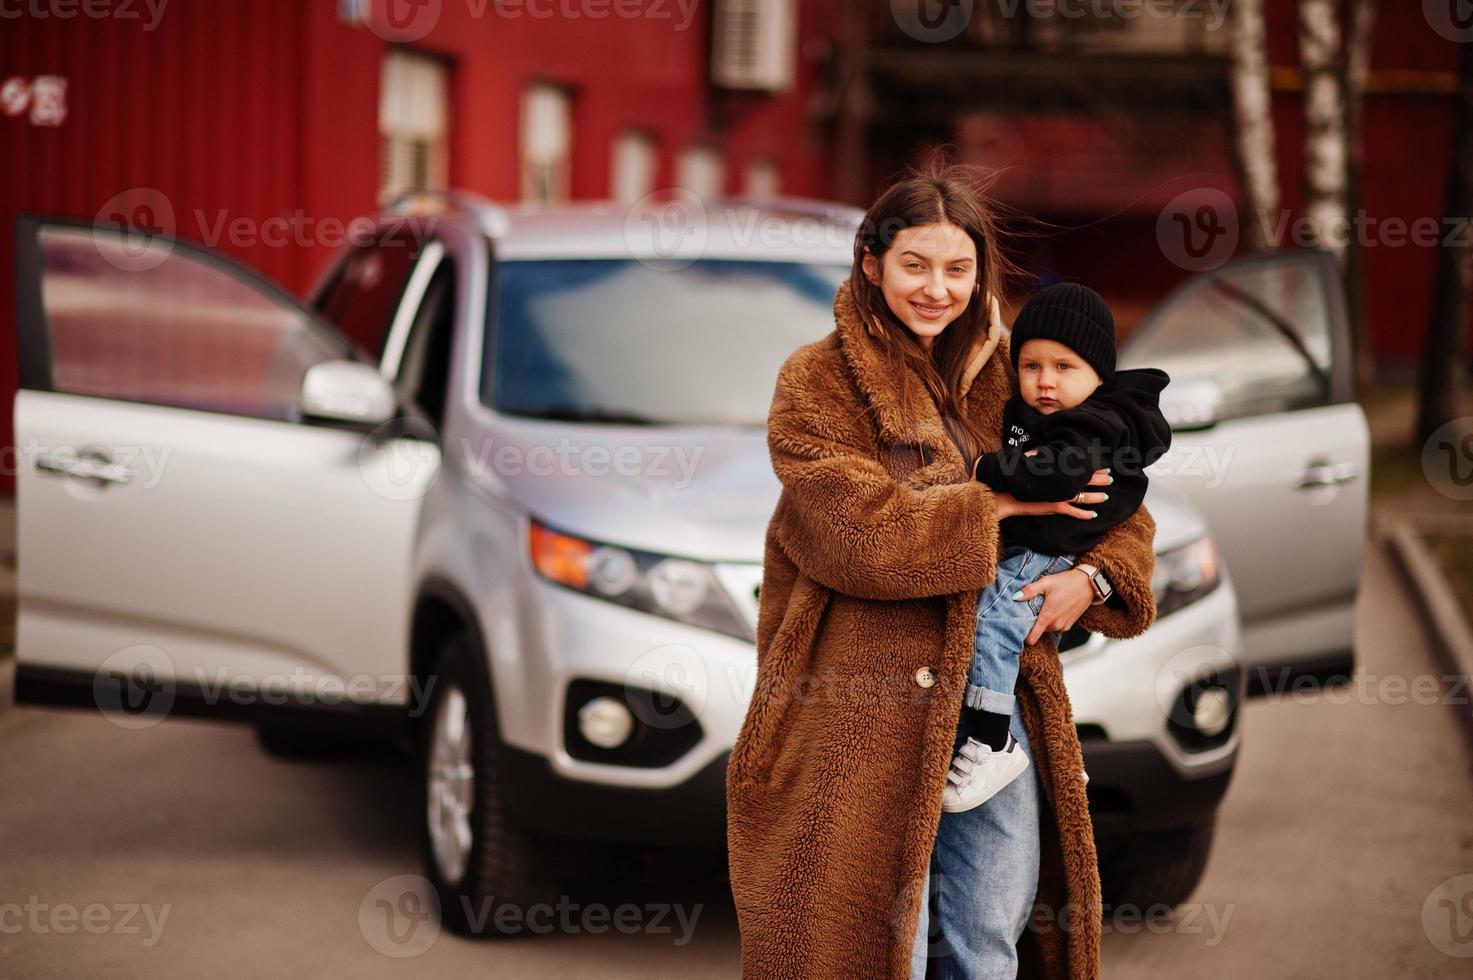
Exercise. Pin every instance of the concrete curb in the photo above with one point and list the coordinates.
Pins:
(1452, 636)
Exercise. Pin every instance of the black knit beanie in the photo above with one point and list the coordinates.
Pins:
(1073, 315)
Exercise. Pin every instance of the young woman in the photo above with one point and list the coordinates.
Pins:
(875, 555)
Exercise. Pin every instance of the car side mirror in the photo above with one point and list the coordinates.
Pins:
(1192, 403)
(347, 391)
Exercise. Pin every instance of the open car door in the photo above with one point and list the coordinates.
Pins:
(188, 541)
(1269, 444)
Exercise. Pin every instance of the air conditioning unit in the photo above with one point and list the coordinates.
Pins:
(754, 44)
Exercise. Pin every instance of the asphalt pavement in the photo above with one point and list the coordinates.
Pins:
(182, 850)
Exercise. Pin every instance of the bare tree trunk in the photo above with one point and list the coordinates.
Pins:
(1253, 125)
(1357, 66)
(1324, 125)
(1445, 330)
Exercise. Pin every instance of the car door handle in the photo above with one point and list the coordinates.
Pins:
(100, 469)
(1323, 474)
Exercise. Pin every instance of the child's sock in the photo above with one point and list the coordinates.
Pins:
(989, 727)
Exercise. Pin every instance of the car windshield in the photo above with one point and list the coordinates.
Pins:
(617, 340)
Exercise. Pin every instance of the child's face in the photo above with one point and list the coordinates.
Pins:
(1051, 376)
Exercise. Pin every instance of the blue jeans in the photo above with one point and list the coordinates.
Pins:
(1002, 626)
(983, 874)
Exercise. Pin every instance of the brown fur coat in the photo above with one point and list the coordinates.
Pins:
(875, 554)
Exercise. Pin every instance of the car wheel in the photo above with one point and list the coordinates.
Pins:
(479, 863)
(1164, 875)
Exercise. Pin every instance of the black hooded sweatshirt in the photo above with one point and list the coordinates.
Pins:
(1119, 426)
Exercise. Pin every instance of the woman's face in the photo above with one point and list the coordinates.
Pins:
(928, 276)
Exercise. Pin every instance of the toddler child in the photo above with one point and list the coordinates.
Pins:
(1073, 414)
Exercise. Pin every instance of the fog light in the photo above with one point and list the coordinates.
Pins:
(605, 722)
(1212, 711)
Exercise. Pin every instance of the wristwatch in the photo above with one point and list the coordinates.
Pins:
(1098, 580)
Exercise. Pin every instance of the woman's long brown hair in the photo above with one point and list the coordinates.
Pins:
(936, 191)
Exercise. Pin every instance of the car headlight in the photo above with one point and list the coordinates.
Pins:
(1185, 574)
(676, 588)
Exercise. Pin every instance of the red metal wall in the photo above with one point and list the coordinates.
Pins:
(250, 110)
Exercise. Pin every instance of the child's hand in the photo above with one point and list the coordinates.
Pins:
(1010, 506)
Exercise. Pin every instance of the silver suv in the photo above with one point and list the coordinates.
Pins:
(498, 490)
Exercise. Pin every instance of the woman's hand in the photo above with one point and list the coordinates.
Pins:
(1010, 506)
(1066, 595)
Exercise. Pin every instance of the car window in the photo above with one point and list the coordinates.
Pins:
(172, 327)
(365, 291)
(1262, 331)
(424, 372)
(615, 340)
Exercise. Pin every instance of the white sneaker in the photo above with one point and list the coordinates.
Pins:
(977, 773)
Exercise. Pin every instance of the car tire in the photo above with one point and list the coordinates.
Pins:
(479, 863)
(1161, 878)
